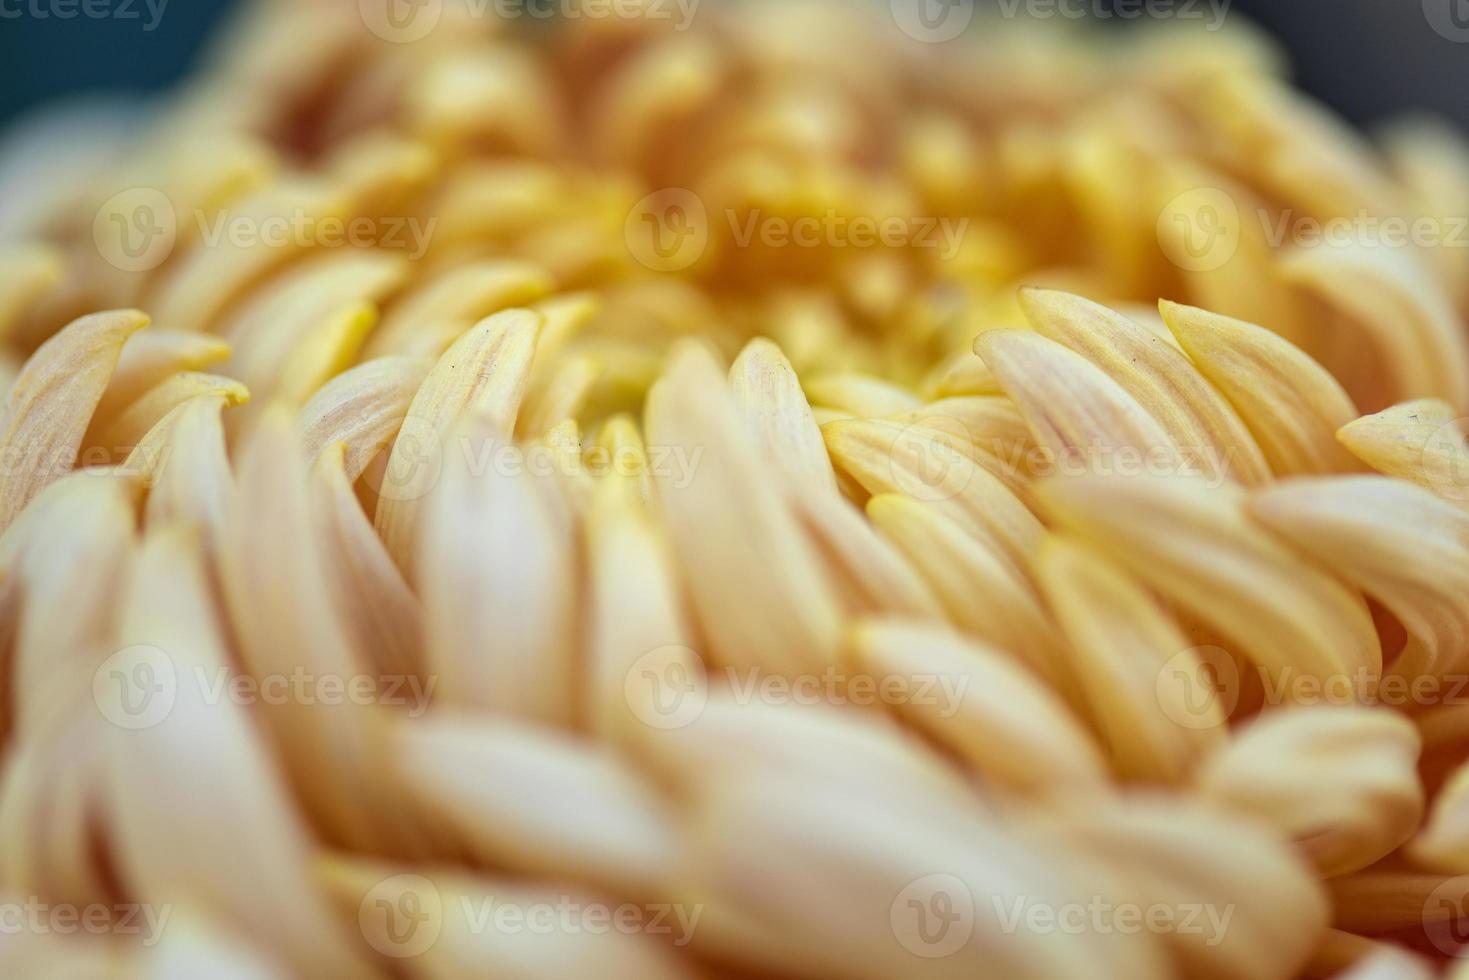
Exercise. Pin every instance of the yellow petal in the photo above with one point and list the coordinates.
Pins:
(519, 796)
(200, 813)
(363, 409)
(775, 408)
(468, 293)
(486, 372)
(1422, 442)
(733, 530)
(980, 591)
(1400, 545)
(1135, 666)
(51, 404)
(117, 439)
(923, 463)
(1342, 783)
(497, 582)
(150, 357)
(1162, 380)
(1081, 418)
(980, 704)
(1196, 546)
(1292, 406)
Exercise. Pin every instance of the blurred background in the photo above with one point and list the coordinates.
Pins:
(1368, 58)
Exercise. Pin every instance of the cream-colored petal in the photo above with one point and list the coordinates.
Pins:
(363, 409)
(520, 796)
(497, 581)
(1196, 546)
(150, 357)
(769, 395)
(1162, 380)
(1422, 442)
(200, 815)
(1342, 783)
(467, 293)
(1400, 545)
(384, 616)
(1082, 418)
(1258, 907)
(981, 705)
(924, 464)
(1292, 405)
(50, 405)
(733, 530)
(979, 590)
(115, 440)
(1133, 664)
(1397, 308)
(486, 372)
